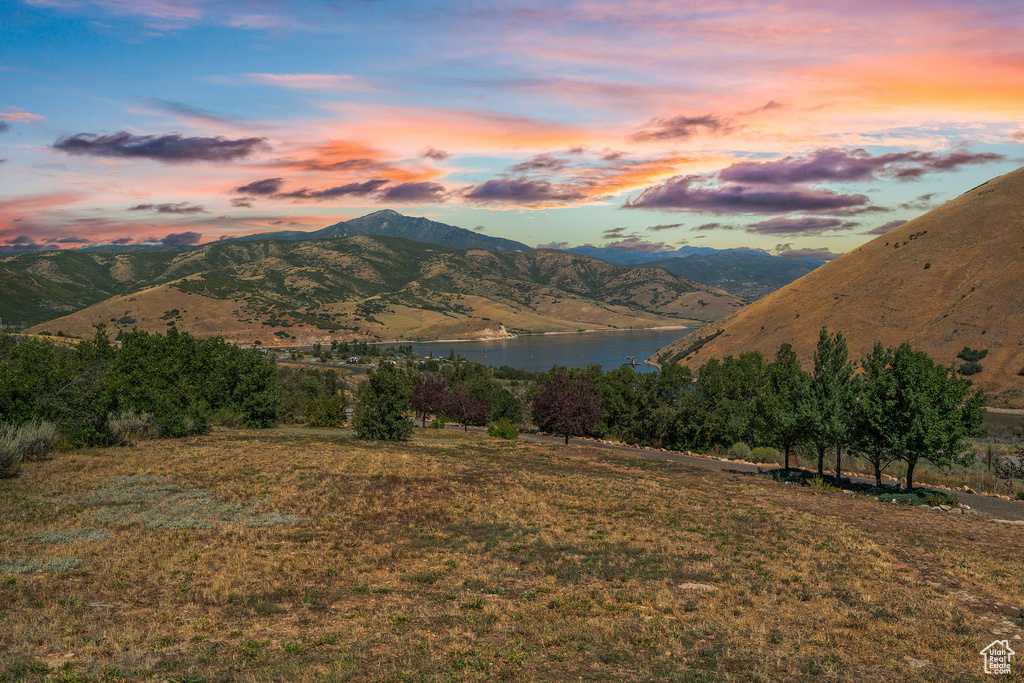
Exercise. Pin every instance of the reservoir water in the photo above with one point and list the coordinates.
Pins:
(609, 349)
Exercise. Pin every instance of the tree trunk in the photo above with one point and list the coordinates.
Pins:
(787, 458)
(821, 459)
(839, 464)
(465, 426)
(566, 439)
(910, 475)
(878, 474)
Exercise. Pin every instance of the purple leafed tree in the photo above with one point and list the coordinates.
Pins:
(461, 407)
(429, 391)
(565, 405)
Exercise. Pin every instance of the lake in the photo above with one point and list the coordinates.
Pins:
(609, 349)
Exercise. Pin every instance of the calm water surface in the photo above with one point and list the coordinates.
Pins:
(540, 352)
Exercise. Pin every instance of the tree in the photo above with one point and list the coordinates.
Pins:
(179, 379)
(718, 408)
(428, 394)
(777, 416)
(919, 409)
(565, 405)
(380, 406)
(462, 406)
(874, 435)
(828, 410)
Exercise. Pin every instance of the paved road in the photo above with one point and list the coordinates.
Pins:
(996, 507)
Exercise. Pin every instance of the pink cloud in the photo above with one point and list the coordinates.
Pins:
(309, 81)
(13, 114)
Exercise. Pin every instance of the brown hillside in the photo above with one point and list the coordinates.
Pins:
(951, 278)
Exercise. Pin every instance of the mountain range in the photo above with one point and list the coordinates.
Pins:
(370, 287)
(944, 281)
(745, 273)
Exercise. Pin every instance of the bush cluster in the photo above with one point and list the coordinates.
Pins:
(970, 368)
(739, 451)
(503, 429)
(127, 427)
(326, 412)
(98, 392)
(972, 355)
(30, 441)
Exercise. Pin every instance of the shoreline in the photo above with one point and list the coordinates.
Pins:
(663, 328)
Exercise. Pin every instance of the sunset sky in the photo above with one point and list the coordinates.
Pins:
(798, 128)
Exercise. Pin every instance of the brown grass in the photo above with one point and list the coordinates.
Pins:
(458, 557)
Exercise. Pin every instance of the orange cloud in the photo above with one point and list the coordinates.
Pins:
(935, 84)
(458, 130)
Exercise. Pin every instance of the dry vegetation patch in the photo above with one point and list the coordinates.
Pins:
(304, 554)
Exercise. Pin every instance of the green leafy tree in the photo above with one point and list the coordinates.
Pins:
(63, 384)
(922, 410)
(565, 404)
(874, 432)
(179, 379)
(381, 403)
(828, 410)
(777, 416)
(619, 393)
(718, 409)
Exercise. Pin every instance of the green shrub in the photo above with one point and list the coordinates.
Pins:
(819, 484)
(30, 441)
(504, 429)
(227, 417)
(38, 439)
(127, 427)
(439, 422)
(927, 266)
(936, 498)
(326, 412)
(10, 451)
(739, 451)
(970, 368)
(901, 498)
(972, 355)
(765, 454)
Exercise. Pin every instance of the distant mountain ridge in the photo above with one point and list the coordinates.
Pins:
(388, 223)
(629, 257)
(749, 274)
(744, 272)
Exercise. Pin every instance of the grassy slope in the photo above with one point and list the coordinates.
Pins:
(457, 557)
(948, 279)
(374, 286)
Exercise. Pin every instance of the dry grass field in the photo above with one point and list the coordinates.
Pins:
(306, 555)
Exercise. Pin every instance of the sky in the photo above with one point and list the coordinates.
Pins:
(796, 128)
